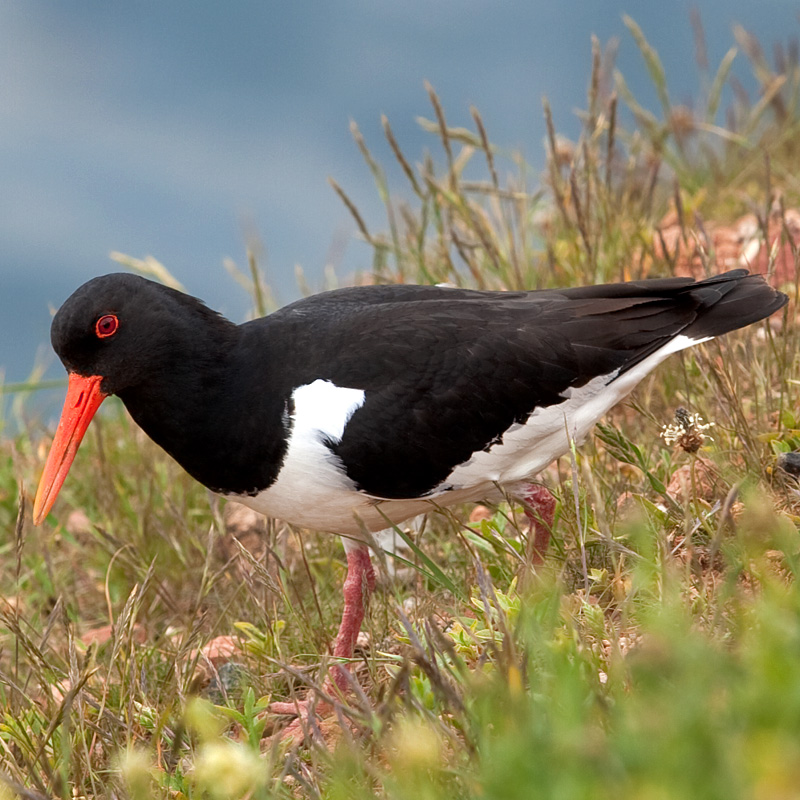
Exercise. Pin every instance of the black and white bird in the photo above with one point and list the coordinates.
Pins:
(362, 405)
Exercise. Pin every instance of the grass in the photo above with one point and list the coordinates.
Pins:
(654, 656)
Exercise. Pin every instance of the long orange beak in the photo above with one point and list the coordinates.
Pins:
(83, 399)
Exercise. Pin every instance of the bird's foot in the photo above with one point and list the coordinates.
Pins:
(318, 715)
(310, 717)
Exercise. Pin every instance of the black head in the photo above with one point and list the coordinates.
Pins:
(121, 334)
(127, 329)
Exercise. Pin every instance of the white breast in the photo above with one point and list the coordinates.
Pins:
(312, 489)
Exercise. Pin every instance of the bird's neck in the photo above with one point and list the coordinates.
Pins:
(217, 417)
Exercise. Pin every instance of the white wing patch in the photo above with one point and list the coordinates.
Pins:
(312, 488)
(323, 408)
(526, 449)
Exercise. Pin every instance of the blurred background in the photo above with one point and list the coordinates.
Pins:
(188, 131)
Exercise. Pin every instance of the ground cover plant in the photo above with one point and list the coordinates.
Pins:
(655, 654)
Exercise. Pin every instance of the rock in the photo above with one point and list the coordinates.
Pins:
(480, 513)
(707, 482)
(102, 634)
(717, 247)
(78, 524)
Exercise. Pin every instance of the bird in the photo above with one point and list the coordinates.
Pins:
(361, 407)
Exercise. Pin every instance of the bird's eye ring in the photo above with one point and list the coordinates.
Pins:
(106, 326)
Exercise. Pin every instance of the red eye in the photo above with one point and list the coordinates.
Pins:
(106, 326)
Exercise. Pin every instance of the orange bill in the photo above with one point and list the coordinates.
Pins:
(83, 399)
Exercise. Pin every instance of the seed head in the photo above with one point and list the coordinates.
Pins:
(687, 431)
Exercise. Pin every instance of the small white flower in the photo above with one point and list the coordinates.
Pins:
(688, 431)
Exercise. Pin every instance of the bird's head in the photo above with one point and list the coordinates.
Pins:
(115, 332)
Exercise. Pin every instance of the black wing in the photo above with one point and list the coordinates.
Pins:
(447, 371)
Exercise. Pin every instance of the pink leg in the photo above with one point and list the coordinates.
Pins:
(541, 514)
(358, 587)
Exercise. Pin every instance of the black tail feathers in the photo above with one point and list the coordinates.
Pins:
(732, 300)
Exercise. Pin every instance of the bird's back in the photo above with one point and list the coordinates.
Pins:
(459, 389)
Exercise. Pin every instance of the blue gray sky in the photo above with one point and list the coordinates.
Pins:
(177, 129)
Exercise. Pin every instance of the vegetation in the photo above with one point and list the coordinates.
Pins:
(655, 655)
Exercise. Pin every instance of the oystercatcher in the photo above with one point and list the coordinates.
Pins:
(362, 405)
